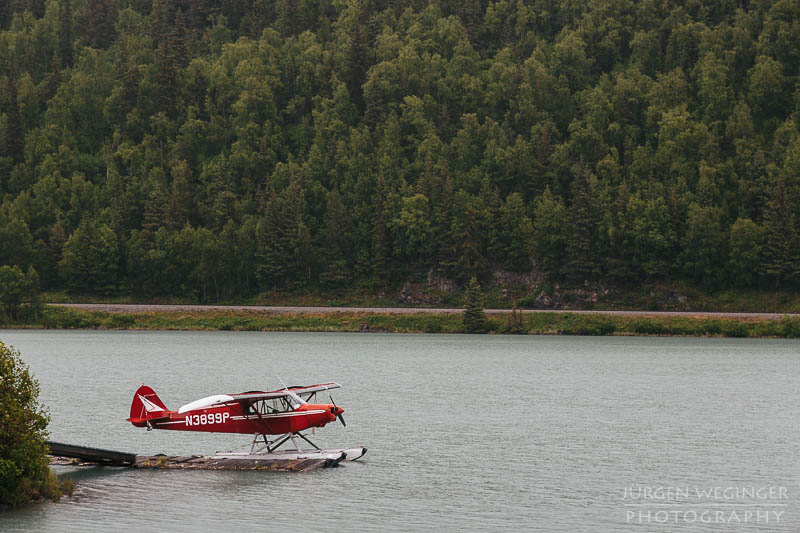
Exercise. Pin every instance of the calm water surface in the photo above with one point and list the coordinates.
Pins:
(464, 432)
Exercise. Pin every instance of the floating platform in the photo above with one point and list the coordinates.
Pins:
(351, 454)
(281, 460)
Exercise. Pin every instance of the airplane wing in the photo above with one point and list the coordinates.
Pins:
(254, 396)
(250, 397)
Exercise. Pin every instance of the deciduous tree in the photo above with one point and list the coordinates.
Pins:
(24, 464)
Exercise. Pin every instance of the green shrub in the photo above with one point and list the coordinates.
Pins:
(600, 328)
(649, 327)
(432, 327)
(121, 321)
(24, 466)
(790, 327)
(735, 329)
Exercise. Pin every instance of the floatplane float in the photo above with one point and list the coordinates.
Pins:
(274, 418)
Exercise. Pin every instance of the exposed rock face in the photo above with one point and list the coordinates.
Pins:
(528, 289)
(415, 294)
(440, 283)
(503, 277)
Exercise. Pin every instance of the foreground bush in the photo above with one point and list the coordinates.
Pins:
(24, 467)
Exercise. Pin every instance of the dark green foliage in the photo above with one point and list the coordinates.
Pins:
(65, 33)
(90, 259)
(735, 329)
(782, 249)
(551, 233)
(18, 288)
(24, 465)
(649, 327)
(474, 317)
(15, 144)
(299, 145)
(745, 244)
(582, 243)
(102, 17)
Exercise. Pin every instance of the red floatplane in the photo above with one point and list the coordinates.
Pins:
(285, 413)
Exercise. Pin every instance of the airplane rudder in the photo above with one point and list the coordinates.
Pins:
(145, 401)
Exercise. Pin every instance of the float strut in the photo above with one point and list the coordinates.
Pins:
(308, 441)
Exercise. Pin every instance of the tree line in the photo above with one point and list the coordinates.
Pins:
(218, 149)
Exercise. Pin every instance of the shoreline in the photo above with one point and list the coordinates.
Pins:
(410, 320)
(302, 310)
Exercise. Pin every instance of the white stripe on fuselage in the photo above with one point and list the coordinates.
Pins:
(250, 417)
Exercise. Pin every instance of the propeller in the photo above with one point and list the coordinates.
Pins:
(339, 416)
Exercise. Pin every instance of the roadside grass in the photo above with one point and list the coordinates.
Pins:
(545, 323)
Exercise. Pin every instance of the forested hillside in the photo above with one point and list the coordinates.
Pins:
(218, 149)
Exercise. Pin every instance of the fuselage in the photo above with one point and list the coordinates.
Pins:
(243, 418)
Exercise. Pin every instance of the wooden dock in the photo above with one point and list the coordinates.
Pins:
(68, 454)
(211, 462)
(91, 455)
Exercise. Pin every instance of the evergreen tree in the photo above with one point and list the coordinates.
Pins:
(177, 41)
(550, 226)
(65, 33)
(166, 78)
(15, 141)
(91, 259)
(469, 236)
(357, 26)
(514, 247)
(746, 243)
(17, 240)
(18, 288)
(37, 8)
(338, 238)
(782, 247)
(100, 28)
(53, 250)
(474, 316)
(446, 250)
(581, 264)
(156, 211)
(619, 260)
(381, 237)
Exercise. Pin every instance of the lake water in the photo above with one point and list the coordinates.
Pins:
(464, 432)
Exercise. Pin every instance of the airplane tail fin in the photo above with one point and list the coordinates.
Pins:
(146, 406)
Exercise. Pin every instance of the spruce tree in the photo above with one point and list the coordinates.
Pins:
(580, 265)
(781, 252)
(474, 317)
(100, 27)
(381, 237)
(446, 250)
(15, 144)
(65, 34)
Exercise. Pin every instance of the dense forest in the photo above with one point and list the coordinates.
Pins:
(223, 148)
